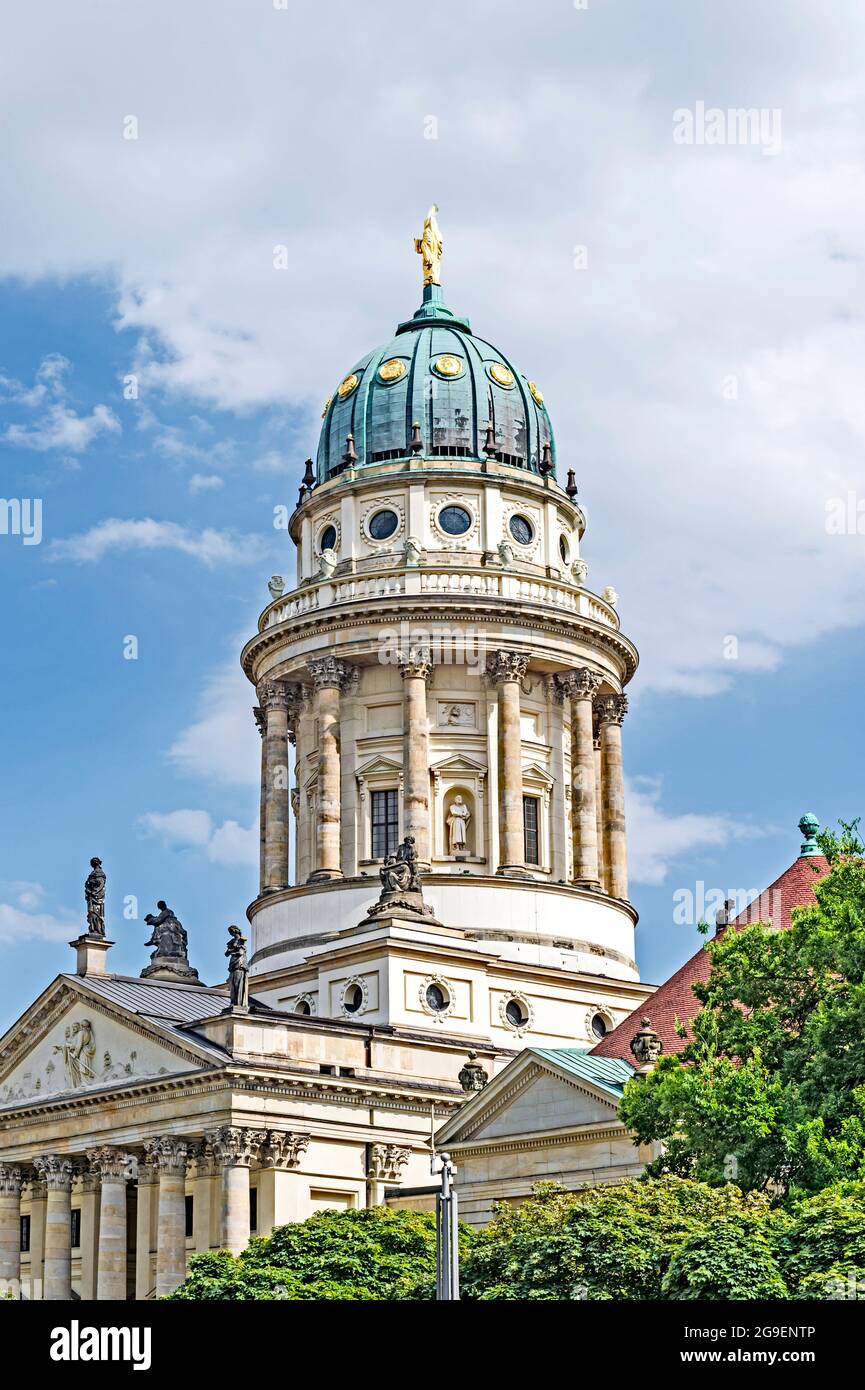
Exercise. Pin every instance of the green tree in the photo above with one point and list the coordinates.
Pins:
(612, 1242)
(770, 1091)
(733, 1260)
(820, 1244)
(371, 1254)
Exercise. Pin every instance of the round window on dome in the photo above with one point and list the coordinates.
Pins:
(436, 998)
(454, 521)
(599, 1026)
(515, 1013)
(521, 529)
(327, 540)
(383, 524)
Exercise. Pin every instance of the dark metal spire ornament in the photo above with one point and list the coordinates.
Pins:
(571, 485)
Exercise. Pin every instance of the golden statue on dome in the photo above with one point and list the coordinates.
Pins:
(429, 248)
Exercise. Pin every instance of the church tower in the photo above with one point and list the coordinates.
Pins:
(441, 670)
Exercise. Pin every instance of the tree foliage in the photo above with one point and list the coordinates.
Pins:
(770, 1091)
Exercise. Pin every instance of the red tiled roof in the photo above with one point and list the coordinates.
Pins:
(675, 998)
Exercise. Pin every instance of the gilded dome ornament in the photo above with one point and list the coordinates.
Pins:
(346, 387)
(448, 365)
(536, 392)
(326, 406)
(501, 375)
(392, 370)
(429, 247)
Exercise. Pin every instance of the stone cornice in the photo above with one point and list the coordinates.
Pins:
(539, 1139)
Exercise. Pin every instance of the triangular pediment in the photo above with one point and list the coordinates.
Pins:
(529, 1096)
(379, 766)
(535, 773)
(71, 1042)
(458, 762)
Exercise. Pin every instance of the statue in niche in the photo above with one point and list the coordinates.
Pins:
(78, 1051)
(458, 819)
(167, 934)
(94, 897)
(238, 970)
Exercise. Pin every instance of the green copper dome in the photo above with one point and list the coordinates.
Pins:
(438, 391)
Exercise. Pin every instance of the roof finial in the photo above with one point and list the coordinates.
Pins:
(809, 825)
(429, 248)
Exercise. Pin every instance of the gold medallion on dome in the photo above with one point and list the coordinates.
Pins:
(448, 365)
(536, 392)
(392, 370)
(326, 406)
(501, 374)
(346, 387)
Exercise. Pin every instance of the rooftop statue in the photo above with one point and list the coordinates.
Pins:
(429, 248)
(94, 897)
(170, 959)
(238, 969)
(401, 891)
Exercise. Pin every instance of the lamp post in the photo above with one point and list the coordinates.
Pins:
(447, 1244)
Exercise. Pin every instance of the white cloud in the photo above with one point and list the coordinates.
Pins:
(61, 428)
(230, 844)
(205, 482)
(705, 265)
(20, 925)
(657, 840)
(27, 894)
(222, 744)
(209, 546)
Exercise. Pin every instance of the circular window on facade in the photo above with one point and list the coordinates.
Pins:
(521, 529)
(516, 1014)
(455, 521)
(563, 550)
(436, 998)
(352, 999)
(599, 1026)
(303, 1007)
(327, 540)
(383, 524)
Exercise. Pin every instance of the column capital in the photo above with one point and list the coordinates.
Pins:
(273, 695)
(260, 718)
(505, 666)
(327, 672)
(11, 1180)
(112, 1165)
(581, 683)
(234, 1147)
(415, 662)
(611, 709)
(282, 1149)
(55, 1171)
(386, 1162)
(167, 1154)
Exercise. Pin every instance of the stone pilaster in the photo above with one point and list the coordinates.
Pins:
(169, 1156)
(233, 1150)
(581, 687)
(55, 1171)
(10, 1230)
(38, 1203)
(506, 670)
(416, 669)
(279, 1190)
(328, 675)
(112, 1166)
(350, 728)
(386, 1162)
(611, 712)
(559, 807)
(273, 699)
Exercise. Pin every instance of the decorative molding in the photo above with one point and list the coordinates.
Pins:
(364, 990)
(449, 991)
(528, 1010)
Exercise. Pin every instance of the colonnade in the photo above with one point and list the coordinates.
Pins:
(108, 1182)
(597, 796)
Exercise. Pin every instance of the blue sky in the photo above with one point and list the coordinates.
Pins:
(702, 368)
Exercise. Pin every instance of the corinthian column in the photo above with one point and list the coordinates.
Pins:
(169, 1156)
(233, 1150)
(611, 712)
(112, 1166)
(10, 1230)
(581, 686)
(328, 675)
(506, 670)
(273, 699)
(261, 725)
(56, 1172)
(416, 669)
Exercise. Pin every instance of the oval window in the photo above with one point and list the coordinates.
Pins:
(352, 999)
(516, 1014)
(599, 1026)
(455, 520)
(436, 998)
(383, 524)
(302, 1007)
(563, 549)
(328, 538)
(521, 529)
